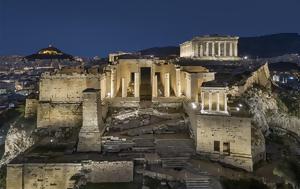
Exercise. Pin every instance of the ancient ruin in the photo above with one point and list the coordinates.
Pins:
(139, 110)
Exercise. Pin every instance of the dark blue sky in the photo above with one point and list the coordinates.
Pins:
(97, 27)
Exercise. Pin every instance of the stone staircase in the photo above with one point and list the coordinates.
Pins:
(174, 162)
(200, 182)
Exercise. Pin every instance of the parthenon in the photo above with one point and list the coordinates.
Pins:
(211, 47)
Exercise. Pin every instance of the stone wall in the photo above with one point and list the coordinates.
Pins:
(59, 115)
(64, 175)
(66, 88)
(31, 107)
(235, 131)
(99, 172)
(260, 77)
(38, 176)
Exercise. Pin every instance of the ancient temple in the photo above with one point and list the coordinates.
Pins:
(211, 47)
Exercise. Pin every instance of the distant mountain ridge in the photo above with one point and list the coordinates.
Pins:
(270, 45)
(265, 46)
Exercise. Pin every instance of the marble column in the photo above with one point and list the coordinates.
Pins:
(201, 50)
(209, 101)
(213, 49)
(207, 49)
(154, 86)
(103, 87)
(178, 82)
(219, 48)
(136, 84)
(167, 85)
(235, 48)
(225, 102)
(202, 101)
(124, 88)
(112, 83)
(225, 49)
(230, 49)
(188, 86)
(218, 101)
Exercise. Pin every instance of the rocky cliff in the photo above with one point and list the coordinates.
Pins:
(268, 113)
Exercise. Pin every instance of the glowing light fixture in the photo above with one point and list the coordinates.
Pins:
(194, 105)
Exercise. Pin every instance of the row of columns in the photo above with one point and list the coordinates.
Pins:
(210, 102)
(167, 85)
(209, 49)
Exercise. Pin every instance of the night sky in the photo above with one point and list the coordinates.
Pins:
(97, 27)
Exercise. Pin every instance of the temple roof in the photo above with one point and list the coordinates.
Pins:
(50, 53)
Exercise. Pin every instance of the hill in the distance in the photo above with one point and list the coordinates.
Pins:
(262, 46)
(270, 45)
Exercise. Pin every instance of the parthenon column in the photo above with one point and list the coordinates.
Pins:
(219, 48)
(230, 49)
(206, 49)
(201, 49)
(213, 49)
(154, 86)
(209, 101)
(112, 83)
(178, 82)
(225, 49)
(167, 85)
(124, 88)
(225, 102)
(136, 84)
(218, 101)
(202, 101)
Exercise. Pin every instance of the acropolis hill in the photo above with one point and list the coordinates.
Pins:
(142, 115)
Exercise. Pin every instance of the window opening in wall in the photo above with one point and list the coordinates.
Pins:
(217, 146)
(226, 148)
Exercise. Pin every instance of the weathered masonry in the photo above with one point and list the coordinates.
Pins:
(206, 80)
(211, 47)
(64, 175)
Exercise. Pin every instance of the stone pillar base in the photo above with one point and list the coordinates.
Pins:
(89, 142)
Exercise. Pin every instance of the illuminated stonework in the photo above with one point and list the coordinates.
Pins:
(212, 47)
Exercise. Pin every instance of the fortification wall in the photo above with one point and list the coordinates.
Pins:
(31, 107)
(260, 77)
(121, 171)
(229, 132)
(66, 88)
(37, 176)
(64, 175)
(59, 115)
